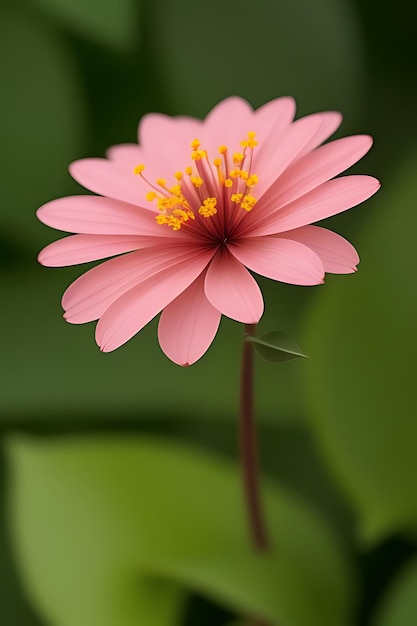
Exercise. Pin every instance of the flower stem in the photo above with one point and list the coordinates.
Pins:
(249, 454)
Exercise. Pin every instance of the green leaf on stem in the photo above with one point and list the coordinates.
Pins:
(276, 346)
(116, 530)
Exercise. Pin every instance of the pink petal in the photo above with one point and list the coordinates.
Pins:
(313, 169)
(330, 122)
(227, 124)
(93, 215)
(188, 325)
(270, 163)
(112, 179)
(337, 254)
(330, 198)
(126, 155)
(232, 290)
(166, 143)
(85, 248)
(270, 122)
(135, 308)
(276, 112)
(280, 259)
(93, 292)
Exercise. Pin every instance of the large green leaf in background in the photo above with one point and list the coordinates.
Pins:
(363, 374)
(206, 51)
(399, 605)
(109, 22)
(54, 368)
(41, 118)
(110, 532)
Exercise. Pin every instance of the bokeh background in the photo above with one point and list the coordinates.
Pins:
(120, 500)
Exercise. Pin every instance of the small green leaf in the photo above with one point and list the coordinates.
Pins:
(276, 346)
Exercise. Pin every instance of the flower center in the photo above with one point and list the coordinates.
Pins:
(225, 182)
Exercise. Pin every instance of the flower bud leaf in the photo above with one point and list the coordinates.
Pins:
(276, 346)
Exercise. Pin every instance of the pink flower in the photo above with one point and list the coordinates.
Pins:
(192, 208)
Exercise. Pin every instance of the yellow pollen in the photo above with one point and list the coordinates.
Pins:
(188, 170)
(238, 158)
(178, 175)
(236, 197)
(223, 149)
(250, 142)
(208, 208)
(172, 221)
(228, 182)
(197, 181)
(176, 190)
(197, 155)
(151, 195)
(195, 144)
(139, 169)
(161, 182)
(217, 162)
(244, 175)
(248, 203)
(252, 180)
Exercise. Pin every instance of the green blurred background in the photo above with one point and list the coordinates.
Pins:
(120, 500)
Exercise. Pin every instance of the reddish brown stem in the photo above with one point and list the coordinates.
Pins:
(249, 454)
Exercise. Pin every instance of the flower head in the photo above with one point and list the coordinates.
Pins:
(192, 208)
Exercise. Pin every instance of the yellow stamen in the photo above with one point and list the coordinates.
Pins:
(176, 190)
(172, 221)
(174, 208)
(238, 158)
(250, 142)
(208, 208)
(197, 155)
(197, 181)
(248, 203)
(139, 169)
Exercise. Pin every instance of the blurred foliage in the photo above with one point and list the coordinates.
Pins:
(337, 431)
(105, 21)
(129, 549)
(399, 606)
(255, 51)
(370, 437)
